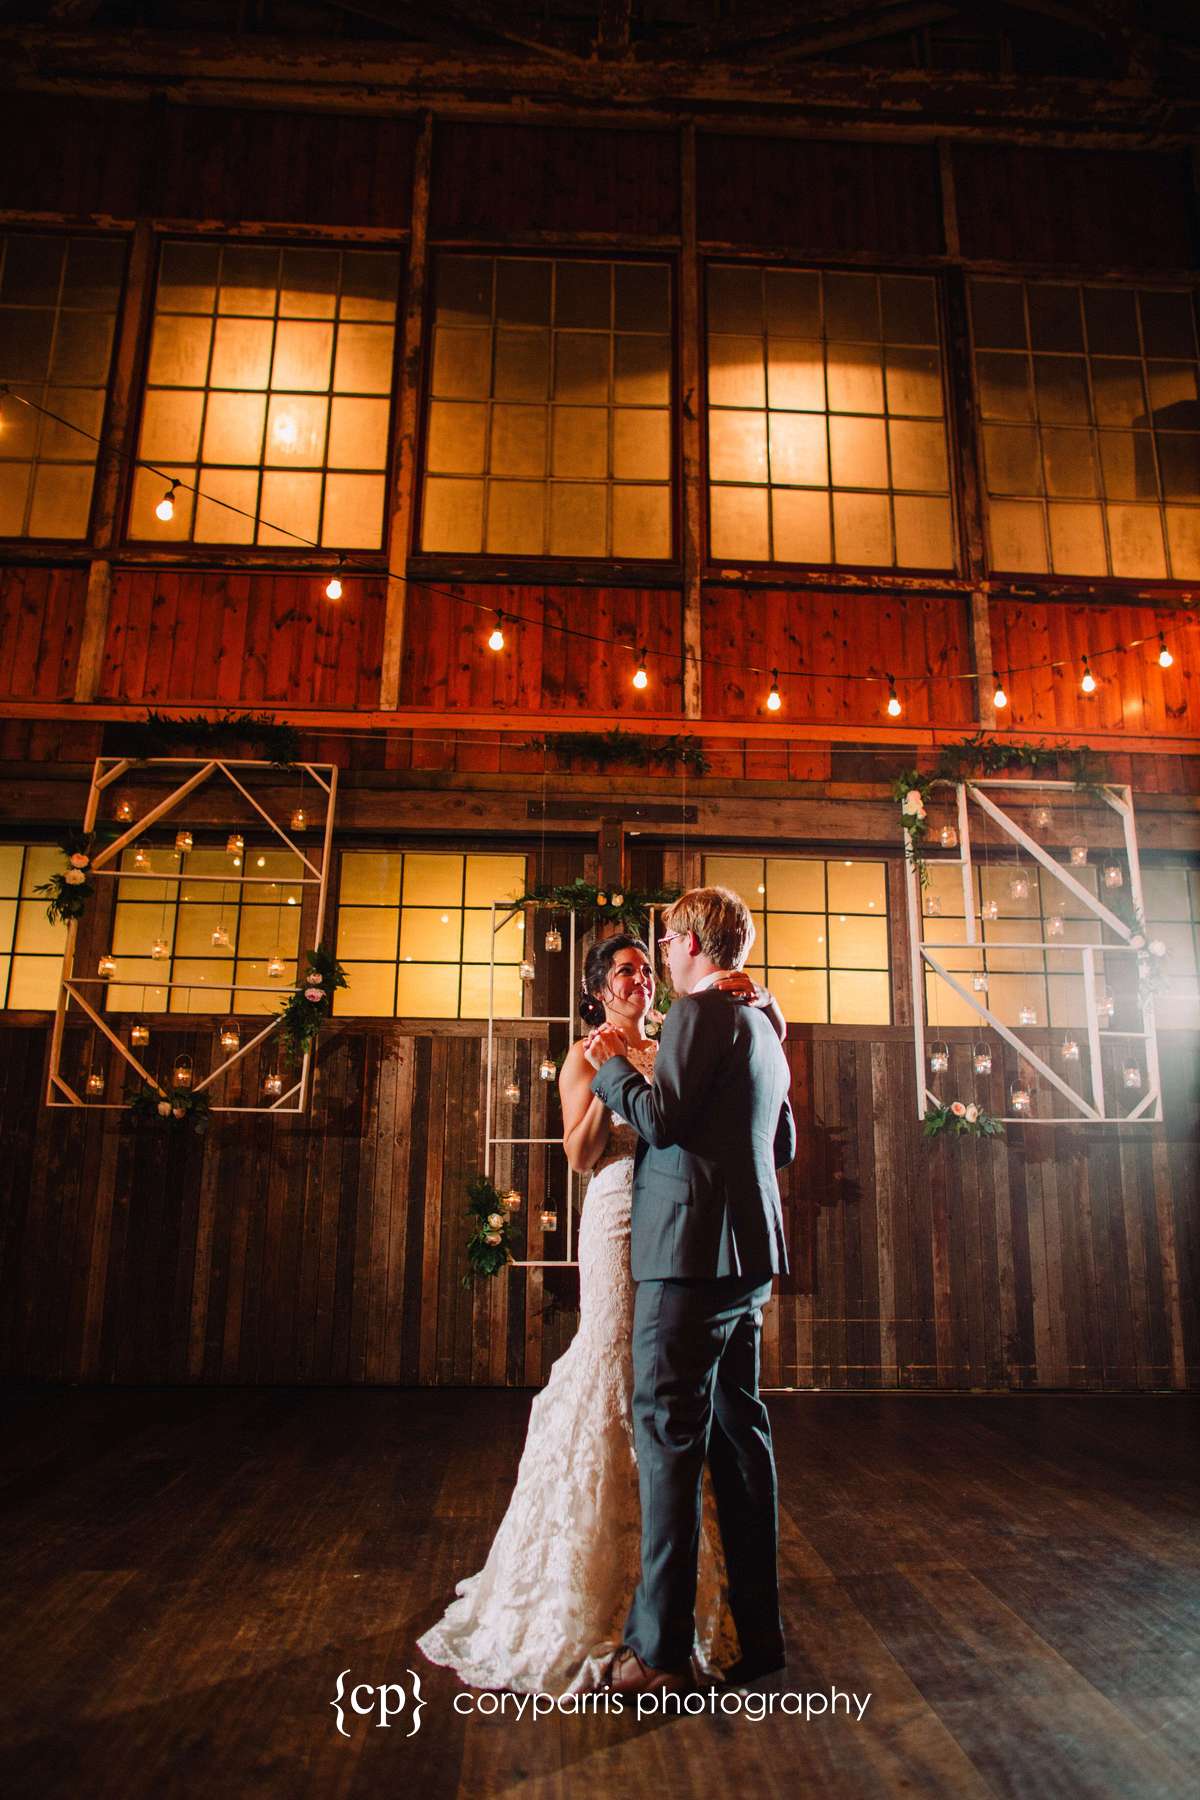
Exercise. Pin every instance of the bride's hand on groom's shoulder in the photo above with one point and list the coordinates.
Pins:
(739, 986)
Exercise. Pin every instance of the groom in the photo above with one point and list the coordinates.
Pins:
(707, 1236)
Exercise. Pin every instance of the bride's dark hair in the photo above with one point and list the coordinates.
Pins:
(596, 971)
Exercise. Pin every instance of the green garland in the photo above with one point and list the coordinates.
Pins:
(68, 894)
(160, 735)
(624, 906)
(176, 1107)
(978, 755)
(629, 749)
(307, 1009)
(490, 1245)
(954, 1118)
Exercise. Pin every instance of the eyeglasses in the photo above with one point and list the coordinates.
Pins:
(669, 937)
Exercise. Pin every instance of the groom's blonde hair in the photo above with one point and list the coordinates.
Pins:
(720, 920)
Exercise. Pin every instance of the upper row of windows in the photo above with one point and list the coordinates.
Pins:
(549, 426)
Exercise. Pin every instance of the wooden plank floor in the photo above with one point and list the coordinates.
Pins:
(1014, 1580)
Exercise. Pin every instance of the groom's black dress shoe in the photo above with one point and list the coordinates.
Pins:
(748, 1669)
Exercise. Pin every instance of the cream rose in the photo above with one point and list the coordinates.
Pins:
(74, 877)
(495, 1220)
(164, 1109)
(1157, 947)
(913, 803)
(971, 1114)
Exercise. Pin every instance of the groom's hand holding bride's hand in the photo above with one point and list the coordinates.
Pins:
(604, 1042)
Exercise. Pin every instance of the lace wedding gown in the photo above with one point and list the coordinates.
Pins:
(547, 1610)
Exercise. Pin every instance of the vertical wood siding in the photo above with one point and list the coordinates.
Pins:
(494, 181)
(329, 1248)
(41, 616)
(818, 196)
(1134, 695)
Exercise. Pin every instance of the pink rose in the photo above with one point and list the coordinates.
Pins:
(492, 1237)
(314, 994)
(177, 1112)
(79, 860)
(958, 1109)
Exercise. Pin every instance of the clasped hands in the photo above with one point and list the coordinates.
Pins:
(607, 1040)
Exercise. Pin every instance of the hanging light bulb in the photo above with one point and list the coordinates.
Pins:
(640, 677)
(235, 843)
(999, 698)
(774, 698)
(272, 1085)
(1019, 1099)
(299, 819)
(979, 982)
(95, 1082)
(547, 1069)
(230, 1035)
(160, 949)
(1054, 925)
(1131, 1075)
(181, 1073)
(939, 1058)
(512, 1092)
(1114, 875)
(982, 1059)
(948, 837)
(496, 641)
(107, 966)
(893, 706)
(1089, 683)
(553, 939)
(1079, 853)
(1165, 659)
(275, 966)
(140, 858)
(1027, 1016)
(139, 1034)
(166, 507)
(549, 1219)
(1070, 1049)
(123, 812)
(220, 938)
(183, 840)
(333, 587)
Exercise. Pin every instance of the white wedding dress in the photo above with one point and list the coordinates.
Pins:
(547, 1610)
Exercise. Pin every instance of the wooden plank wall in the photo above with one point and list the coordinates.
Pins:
(491, 181)
(329, 1248)
(41, 615)
(1134, 695)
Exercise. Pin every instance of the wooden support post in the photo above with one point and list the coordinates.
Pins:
(404, 448)
(689, 423)
(612, 854)
(985, 674)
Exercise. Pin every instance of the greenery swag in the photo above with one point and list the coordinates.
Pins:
(176, 1107)
(961, 1119)
(490, 1245)
(623, 906)
(307, 1009)
(628, 749)
(159, 735)
(69, 893)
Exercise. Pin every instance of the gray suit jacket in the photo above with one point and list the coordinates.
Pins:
(715, 1125)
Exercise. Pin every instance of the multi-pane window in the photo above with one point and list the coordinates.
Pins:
(826, 419)
(549, 424)
(821, 941)
(1090, 410)
(31, 948)
(415, 934)
(208, 930)
(269, 389)
(1172, 897)
(58, 306)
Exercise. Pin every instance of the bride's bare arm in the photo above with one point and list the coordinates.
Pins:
(585, 1116)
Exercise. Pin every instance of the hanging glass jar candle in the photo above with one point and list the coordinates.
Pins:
(1070, 1049)
(272, 1086)
(933, 906)
(95, 1082)
(299, 819)
(990, 909)
(160, 949)
(1131, 1075)
(220, 938)
(1054, 925)
(183, 840)
(1027, 1015)
(549, 1219)
(1041, 818)
(139, 1034)
(1019, 1099)
(1106, 1006)
(1018, 885)
(1114, 875)
(141, 859)
(275, 966)
(554, 939)
(526, 971)
(548, 1069)
(107, 966)
(939, 1058)
(948, 837)
(982, 1059)
(511, 1200)
(235, 843)
(1079, 853)
(181, 1072)
(512, 1092)
(979, 981)
(230, 1035)
(123, 812)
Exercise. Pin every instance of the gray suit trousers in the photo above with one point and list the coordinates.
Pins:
(696, 1347)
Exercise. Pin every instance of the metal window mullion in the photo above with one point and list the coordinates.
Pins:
(1161, 501)
(1094, 429)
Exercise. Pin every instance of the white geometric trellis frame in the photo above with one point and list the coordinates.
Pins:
(491, 1140)
(924, 955)
(105, 864)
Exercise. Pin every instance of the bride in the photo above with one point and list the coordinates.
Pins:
(545, 1613)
